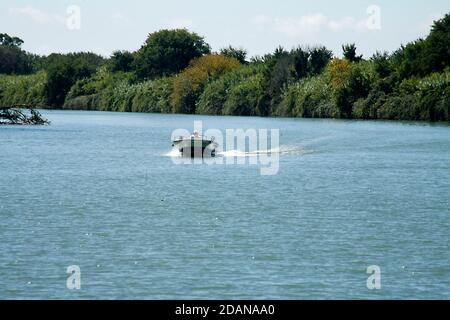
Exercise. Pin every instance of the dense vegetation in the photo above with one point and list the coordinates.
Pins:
(175, 72)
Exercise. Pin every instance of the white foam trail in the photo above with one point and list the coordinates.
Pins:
(174, 153)
(234, 153)
(283, 150)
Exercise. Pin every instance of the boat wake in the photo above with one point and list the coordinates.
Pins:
(174, 153)
(282, 150)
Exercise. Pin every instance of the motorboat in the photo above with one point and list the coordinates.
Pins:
(195, 145)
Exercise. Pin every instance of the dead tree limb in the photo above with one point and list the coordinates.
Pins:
(14, 115)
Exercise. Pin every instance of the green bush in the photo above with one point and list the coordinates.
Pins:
(309, 97)
(434, 94)
(217, 92)
(87, 102)
(26, 89)
(167, 52)
(414, 99)
(244, 98)
(64, 71)
(367, 108)
(189, 84)
(213, 98)
(400, 107)
(118, 91)
(153, 96)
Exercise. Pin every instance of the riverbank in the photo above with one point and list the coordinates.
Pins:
(426, 99)
(412, 83)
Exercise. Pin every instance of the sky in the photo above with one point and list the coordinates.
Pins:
(259, 26)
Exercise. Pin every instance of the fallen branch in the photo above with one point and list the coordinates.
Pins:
(13, 115)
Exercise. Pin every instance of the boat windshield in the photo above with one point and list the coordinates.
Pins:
(195, 135)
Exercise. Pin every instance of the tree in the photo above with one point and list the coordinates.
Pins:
(319, 58)
(121, 61)
(301, 62)
(437, 52)
(382, 64)
(167, 52)
(239, 54)
(12, 58)
(64, 71)
(349, 82)
(279, 52)
(9, 59)
(424, 56)
(189, 84)
(408, 60)
(6, 40)
(244, 98)
(350, 53)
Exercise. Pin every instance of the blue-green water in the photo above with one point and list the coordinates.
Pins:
(98, 190)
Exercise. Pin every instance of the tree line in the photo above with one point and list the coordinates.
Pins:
(175, 71)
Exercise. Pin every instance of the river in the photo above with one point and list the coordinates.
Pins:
(103, 191)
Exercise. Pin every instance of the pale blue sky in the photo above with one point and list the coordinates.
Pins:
(259, 26)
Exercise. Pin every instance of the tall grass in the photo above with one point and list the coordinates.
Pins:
(23, 89)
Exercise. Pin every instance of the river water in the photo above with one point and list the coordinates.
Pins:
(104, 192)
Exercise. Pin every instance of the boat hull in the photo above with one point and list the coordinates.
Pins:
(196, 147)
